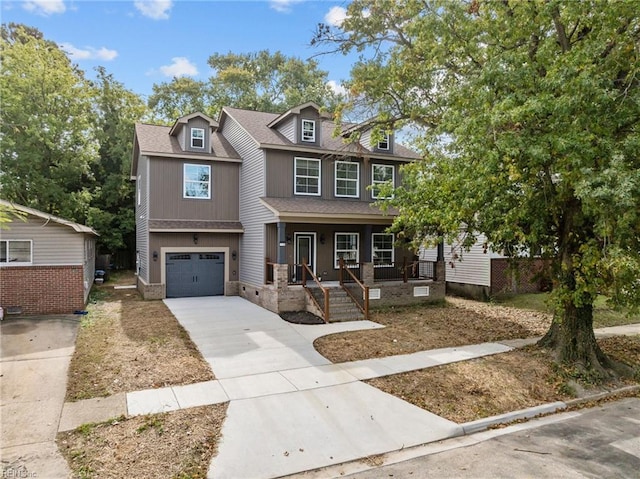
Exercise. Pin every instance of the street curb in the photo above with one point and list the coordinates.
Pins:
(549, 408)
(487, 422)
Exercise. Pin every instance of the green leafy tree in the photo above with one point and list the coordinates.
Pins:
(528, 116)
(47, 140)
(262, 81)
(111, 211)
(179, 97)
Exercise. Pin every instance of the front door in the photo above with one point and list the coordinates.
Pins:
(306, 249)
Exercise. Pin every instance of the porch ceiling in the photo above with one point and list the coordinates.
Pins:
(313, 210)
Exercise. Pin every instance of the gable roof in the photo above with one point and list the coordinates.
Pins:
(40, 214)
(296, 111)
(180, 122)
(259, 126)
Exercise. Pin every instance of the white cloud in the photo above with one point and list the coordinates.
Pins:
(44, 7)
(181, 66)
(335, 16)
(283, 6)
(336, 87)
(88, 53)
(156, 9)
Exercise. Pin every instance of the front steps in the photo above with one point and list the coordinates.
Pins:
(341, 306)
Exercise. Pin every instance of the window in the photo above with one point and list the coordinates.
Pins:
(384, 143)
(381, 174)
(308, 130)
(307, 176)
(15, 252)
(346, 247)
(197, 138)
(382, 247)
(197, 181)
(347, 179)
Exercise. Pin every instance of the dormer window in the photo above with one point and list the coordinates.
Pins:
(384, 143)
(309, 130)
(197, 138)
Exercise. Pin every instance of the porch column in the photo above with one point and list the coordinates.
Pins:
(366, 246)
(282, 243)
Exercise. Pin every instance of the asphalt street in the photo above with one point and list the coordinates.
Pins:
(601, 442)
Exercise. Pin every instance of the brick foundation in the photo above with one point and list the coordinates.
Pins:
(42, 289)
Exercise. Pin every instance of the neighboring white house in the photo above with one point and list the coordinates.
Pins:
(47, 264)
(481, 272)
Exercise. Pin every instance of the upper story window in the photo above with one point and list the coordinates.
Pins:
(16, 252)
(347, 179)
(197, 138)
(381, 174)
(382, 247)
(384, 143)
(346, 246)
(307, 176)
(309, 130)
(197, 181)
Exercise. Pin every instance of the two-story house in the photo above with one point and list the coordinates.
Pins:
(267, 200)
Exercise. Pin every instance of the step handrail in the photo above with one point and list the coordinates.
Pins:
(325, 291)
(365, 289)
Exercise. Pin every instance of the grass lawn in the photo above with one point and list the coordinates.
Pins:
(603, 314)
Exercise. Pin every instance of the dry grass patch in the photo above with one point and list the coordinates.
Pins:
(502, 383)
(411, 329)
(177, 444)
(128, 344)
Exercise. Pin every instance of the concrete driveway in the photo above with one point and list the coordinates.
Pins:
(35, 356)
(291, 410)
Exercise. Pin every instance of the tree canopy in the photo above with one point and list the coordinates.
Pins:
(528, 117)
(262, 81)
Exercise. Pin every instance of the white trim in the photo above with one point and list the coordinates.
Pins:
(335, 179)
(336, 263)
(139, 189)
(373, 182)
(184, 182)
(387, 137)
(191, 132)
(295, 176)
(296, 235)
(191, 249)
(312, 139)
(373, 250)
(18, 263)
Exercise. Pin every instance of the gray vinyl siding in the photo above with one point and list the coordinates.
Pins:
(288, 129)
(280, 178)
(253, 215)
(197, 123)
(142, 219)
(166, 191)
(465, 267)
(52, 243)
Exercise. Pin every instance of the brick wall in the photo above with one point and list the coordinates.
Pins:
(526, 276)
(42, 289)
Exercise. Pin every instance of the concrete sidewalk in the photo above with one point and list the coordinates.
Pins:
(291, 410)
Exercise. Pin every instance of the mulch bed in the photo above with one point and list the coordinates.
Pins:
(301, 317)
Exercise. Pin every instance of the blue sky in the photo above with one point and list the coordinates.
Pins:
(142, 42)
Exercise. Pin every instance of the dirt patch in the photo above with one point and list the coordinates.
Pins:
(411, 329)
(502, 383)
(301, 317)
(177, 444)
(128, 344)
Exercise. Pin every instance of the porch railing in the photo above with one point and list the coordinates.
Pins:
(308, 275)
(268, 271)
(404, 271)
(345, 272)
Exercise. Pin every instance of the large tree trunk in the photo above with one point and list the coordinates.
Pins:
(571, 335)
(573, 342)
